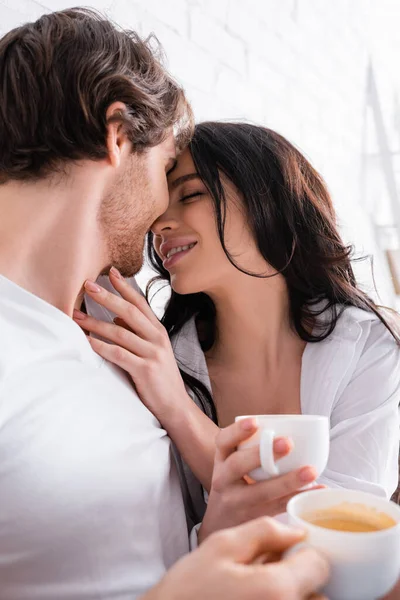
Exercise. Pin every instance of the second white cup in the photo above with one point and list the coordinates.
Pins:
(364, 566)
(310, 437)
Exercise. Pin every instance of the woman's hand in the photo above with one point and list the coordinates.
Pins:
(232, 499)
(139, 344)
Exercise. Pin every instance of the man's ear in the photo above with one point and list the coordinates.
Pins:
(117, 141)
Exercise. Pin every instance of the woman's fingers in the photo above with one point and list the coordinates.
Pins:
(242, 462)
(263, 505)
(267, 498)
(133, 316)
(280, 488)
(229, 438)
(121, 336)
(131, 295)
(117, 355)
(121, 323)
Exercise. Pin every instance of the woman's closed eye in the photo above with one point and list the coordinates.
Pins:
(189, 197)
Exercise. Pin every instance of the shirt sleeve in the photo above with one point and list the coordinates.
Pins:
(365, 421)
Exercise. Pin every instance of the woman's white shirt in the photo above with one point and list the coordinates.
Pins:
(352, 377)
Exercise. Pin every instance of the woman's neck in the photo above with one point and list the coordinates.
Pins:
(253, 324)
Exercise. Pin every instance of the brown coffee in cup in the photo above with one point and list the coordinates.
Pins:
(356, 518)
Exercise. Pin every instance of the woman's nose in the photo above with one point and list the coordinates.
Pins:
(164, 223)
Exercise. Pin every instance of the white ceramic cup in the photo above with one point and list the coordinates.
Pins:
(364, 566)
(310, 437)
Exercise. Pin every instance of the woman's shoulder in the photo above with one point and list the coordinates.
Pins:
(360, 349)
(368, 330)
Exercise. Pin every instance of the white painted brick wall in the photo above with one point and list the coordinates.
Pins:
(298, 66)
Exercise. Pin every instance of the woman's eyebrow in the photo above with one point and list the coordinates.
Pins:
(189, 177)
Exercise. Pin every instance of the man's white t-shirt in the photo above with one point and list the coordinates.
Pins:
(90, 502)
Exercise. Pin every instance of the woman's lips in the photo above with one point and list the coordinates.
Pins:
(174, 258)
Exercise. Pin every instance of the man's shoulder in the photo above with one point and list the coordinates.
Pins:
(52, 385)
(12, 344)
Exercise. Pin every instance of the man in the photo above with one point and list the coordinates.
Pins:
(90, 502)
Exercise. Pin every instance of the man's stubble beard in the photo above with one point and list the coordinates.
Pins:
(125, 216)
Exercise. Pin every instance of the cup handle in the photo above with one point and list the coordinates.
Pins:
(267, 452)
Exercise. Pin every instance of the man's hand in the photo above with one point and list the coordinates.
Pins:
(394, 594)
(232, 499)
(243, 564)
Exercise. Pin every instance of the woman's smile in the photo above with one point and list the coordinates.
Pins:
(176, 253)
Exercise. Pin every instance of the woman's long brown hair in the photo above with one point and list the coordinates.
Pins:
(294, 224)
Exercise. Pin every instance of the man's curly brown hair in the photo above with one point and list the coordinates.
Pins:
(59, 75)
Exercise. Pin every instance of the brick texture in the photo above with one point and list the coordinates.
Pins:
(297, 66)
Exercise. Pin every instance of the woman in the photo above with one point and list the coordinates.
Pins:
(265, 315)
